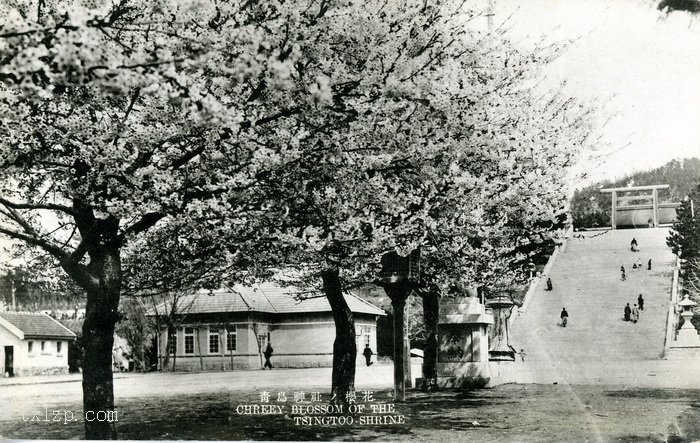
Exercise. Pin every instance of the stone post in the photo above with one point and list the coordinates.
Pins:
(501, 306)
(463, 344)
(655, 205)
(687, 335)
(614, 209)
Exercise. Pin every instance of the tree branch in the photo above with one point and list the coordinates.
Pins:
(147, 221)
(34, 206)
(35, 241)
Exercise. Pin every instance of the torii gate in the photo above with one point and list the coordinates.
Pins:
(653, 196)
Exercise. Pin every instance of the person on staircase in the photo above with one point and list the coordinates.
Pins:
(640, 302)
(564, 317)
(628, 312)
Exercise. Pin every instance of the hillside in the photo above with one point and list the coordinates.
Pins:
(591, 208)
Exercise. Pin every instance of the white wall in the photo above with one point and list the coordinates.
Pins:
(36, 362)
(9, 339)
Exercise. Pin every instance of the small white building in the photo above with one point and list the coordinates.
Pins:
(33, 344)
(230, 329)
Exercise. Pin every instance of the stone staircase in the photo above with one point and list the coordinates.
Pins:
(586, 280)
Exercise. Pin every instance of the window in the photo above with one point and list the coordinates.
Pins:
(189, 340)
(30, 346)
(231, 339)
(59, 345)
(214, 342)
(172, 342)
(367, 333)
(43, 345)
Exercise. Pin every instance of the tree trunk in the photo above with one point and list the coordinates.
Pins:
(431, 308)
(199, 349)
(98, 339)
(398, 293)
(165, 358)
(222, 348)
(344, 347)
(231, 352)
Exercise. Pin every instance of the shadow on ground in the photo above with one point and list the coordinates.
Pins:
(509, 413)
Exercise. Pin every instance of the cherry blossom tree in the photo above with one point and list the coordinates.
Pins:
(436, 138)
(314, 134)
(117, 117)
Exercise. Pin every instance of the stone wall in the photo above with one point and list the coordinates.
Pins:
(40, 370)
(683, 354)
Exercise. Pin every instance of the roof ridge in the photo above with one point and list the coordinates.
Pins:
(365, 301)
(240, 294)
(61, 325)
(25, 312)
(266, 298)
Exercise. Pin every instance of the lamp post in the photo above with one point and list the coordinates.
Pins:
(399, 275)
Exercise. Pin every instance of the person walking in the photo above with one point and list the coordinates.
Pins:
(640, 302)
(549, 284)
(564, 317)
(622, 269)
(368, 355)
(635, 314)
(649, 265)
(639, 263)
(628, 312)
(633, 244)
(268, 353)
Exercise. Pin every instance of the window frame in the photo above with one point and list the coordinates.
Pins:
(189, 334)
(172, 343)
(232, 331)
(216, 343)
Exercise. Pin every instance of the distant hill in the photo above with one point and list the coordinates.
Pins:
(590, 208)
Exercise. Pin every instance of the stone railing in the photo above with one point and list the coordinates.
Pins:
(672, 317)
(535, 282)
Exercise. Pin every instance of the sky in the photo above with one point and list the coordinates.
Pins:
(638, 67)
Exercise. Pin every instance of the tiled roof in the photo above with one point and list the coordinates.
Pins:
(35, 325)
(264, 297)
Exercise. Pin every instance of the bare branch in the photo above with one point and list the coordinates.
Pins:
(36, 206)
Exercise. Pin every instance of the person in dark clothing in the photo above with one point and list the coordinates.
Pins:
(640, 302)
(564, 317)
(368, 355)
(633, 245)
(549, 284)
(628, 312)
(622, 269)
(649, 265)
(268, 353)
